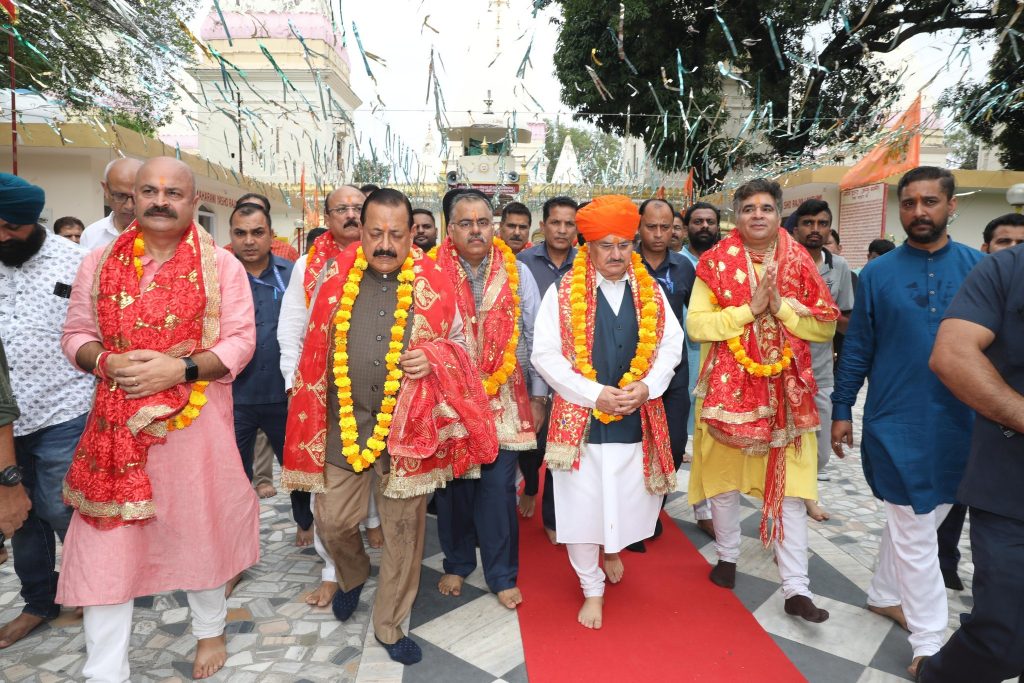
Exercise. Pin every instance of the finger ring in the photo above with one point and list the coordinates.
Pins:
(837, 443)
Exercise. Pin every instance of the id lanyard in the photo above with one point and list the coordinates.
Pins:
(278, 288)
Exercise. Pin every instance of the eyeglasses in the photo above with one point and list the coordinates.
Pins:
(482, 223)
(121, 197)
(345, 208)
(623, 247)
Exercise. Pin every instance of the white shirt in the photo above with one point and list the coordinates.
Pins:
(562, 376)
(100, 234)
(34, 301)
(291, 323)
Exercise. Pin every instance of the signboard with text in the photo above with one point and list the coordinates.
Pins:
(861, 219)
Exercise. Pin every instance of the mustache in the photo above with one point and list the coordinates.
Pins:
(475, 239)
(379, 252)
(351, 223)
(922, 221)
(165, 211)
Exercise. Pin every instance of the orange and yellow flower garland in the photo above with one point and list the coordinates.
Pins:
(497, 378)
(648, 336)
(196, 398)
(361, 458)
(749, 364)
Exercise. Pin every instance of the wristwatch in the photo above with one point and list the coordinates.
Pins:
(10, 476)
(191, 370)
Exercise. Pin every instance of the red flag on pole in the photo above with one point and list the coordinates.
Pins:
(901, 153)
(11, 9)
(688, 187)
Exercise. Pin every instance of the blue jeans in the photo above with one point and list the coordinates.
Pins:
(44, 457)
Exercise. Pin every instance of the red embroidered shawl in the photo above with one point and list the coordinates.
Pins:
(737, 405)
(441, 426)
(177, 314)
(569, 423)
(487, 334)
(323, 250)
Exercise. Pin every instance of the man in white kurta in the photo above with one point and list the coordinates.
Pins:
(602, 497)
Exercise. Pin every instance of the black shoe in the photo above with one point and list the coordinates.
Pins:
(658, 530)
(345, 603)
(920, 668)
(952, 580)
(405, 651)
(724, 574)
(637, 547)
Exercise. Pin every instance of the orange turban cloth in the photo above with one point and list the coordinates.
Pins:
(610, 214)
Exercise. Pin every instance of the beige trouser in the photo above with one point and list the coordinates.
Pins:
(263, 461)
(337, 513)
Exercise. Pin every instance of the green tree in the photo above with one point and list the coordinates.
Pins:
(118, 58)
(806, 91)
(964, 148)
(371, 171)
(991, 111)
(597, 152)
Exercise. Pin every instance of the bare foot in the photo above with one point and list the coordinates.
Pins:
(912, 669)
(375, 537)
(894, 612)
(229, 587)
(526, 505)
(303, 537)
(552, 535)
(510, 597)
(450, 584)
(816, 512)
(613, 567)
(266, 490)
(590, 613)
(18, 628)
(687, 457)
(211, 653)
(322, 596)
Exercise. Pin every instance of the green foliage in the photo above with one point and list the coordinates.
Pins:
(992, 111)
(813, 91)
(114, 57)
(371, 171)
(964, 147)
(597, 152)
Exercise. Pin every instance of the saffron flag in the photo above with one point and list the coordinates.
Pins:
(901, 153)
(11, 9)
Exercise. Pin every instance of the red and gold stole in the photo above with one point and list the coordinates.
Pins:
(756, 414)
(323, 250)
(441, 426)
(178, 313)
(569, 423)
(487, 334)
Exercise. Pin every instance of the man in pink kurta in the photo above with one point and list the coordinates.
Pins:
(204, 523)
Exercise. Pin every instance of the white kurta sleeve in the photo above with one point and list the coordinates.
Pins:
(670, 352)
(548, 361)
(291, 325)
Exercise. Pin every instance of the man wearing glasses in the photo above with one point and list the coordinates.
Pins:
(119, 193)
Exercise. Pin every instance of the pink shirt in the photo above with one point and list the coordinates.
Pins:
(206, 528)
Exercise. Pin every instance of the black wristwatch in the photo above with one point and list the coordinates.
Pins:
(11, 476)
(191, 370)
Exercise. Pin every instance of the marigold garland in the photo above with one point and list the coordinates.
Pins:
(361, 458)
(196, 397)
(433, 253)
(749, 364)
(648, 335)
(496, 379)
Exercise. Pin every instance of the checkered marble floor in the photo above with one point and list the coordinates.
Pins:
(273, 636)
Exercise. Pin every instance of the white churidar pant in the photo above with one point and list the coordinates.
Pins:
(908, 574)
(584, 558)
(791, 552)
(108, 631)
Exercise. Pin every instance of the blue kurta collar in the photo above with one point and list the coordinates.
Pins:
(922, 253)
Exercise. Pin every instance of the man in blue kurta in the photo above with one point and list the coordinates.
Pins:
(916, 434)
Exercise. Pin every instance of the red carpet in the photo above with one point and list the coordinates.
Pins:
(664, 622)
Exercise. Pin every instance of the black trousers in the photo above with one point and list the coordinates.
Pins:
(271, 418)
(989, 645)
(949, 538)
(529, 464)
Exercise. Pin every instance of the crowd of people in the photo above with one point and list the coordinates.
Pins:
(393, 370)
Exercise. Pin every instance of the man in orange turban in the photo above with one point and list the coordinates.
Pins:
(604, 343)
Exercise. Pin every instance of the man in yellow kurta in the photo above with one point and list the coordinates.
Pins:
(757, 302)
